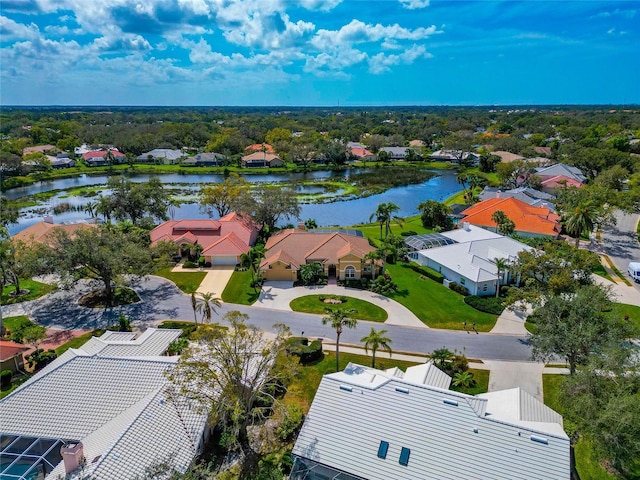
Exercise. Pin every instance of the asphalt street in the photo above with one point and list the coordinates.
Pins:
(161, 300)
(620, 242)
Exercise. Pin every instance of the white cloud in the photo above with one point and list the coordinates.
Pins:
(381, 62)
(12, 30)
(324, 5)
(414, 4)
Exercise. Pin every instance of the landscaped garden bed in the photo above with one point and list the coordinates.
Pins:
(318, 304)
(29, 290)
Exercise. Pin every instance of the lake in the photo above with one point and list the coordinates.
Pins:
(348, 212)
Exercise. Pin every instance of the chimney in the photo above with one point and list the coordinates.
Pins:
(72, 454)
(301, 226)
(466, 226)
(48, 219)
(498, 194)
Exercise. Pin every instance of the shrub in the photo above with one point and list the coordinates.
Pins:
(189, 264)
(201, 261)
(427, 272)
(491, 305)
(5, 378)
(292, 421)
(207, 264)
(408, 233)
(177, 346)
(305, 351)
(187, 328)
(40, 358)
(383, 284)
(456, 287)
(123, 325)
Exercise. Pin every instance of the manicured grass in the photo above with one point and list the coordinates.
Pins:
(600, 270)
(586, 460)
(79, 341)
(456, 199)
(434, 304)
(482, 382)
(622, 309)
(304, 386)
(36, 290)
(15, 384)
(372, 230)
(364, 310)
(616, 271)
(187, 282)
(15, 323)
(239, 289)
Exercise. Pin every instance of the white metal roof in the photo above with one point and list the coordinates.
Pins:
(449, 434)
(111, 397)
(474, 260)
(469, 233)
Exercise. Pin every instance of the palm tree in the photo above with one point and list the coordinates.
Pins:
(339, 318)
(504, 224)
(501, 264)
(381, 214)
(391, 209)
(373, 256)
(206, 304)
(90, 209)
(375, 340)
(105, 208)
(441, 356)
(194, 305)
(463, 380)
(580, 220)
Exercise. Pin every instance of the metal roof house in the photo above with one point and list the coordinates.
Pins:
(101, 411)
(385, 425)
(465, 233)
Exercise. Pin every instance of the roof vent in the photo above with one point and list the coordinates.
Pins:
(72, 454)
(446, 401)
(402, 390)
(535, 438)
(346, 388)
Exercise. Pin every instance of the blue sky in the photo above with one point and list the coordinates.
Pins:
(318, 52)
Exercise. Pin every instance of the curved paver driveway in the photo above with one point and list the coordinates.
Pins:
(278, 296)
(162, 300)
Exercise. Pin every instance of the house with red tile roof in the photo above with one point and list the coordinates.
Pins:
(550, 184)
(339, 253)
(11, 356)
(222, 241)
(97, 158)
(530, 221)
(260, 147)
(44, 232)
(361, 153)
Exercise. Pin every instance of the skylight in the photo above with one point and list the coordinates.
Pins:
(382, 449)
(404, 456)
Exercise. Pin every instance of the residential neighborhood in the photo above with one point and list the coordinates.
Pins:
(237, 309)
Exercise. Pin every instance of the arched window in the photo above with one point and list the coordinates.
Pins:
(350, 272)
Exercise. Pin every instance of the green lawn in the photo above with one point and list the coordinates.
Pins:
(188, 282)
(239, 290)
(622, 309)
(15, 323)
(600, 270)
(586, 460)
(434, 304)
(303, 388)
(36, 290)
(364, 310)
(372, 230)
(482, 383)
(4, 391)
(78, 341)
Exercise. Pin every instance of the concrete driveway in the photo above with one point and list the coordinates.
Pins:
(278, 295)
(216, 280)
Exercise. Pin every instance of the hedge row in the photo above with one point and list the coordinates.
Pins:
(456, 287)
(307, 352)
(427, 272)
(490, 305)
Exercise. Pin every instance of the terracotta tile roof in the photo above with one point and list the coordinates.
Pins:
(361, 152)
(230, 244)
(279, 256)
(208, 233)
(299, 246)
(262, 156)
(38, 149)
(527, 218)
(558, 181)
(9, 350)
(260, 147)
(42, 232)
(507, 157)
(543, 150)
(101, 154)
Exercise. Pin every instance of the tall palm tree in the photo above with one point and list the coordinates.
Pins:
(339, 318)
(381, 214)
(90, 209)
(376, 340)
(105, 208)
(206, 305)
(579, 220)
(194, 305)
(391, 209)
(374, 256)
(501, 264)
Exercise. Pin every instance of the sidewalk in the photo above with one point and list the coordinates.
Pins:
(511, 322)
(278, 295)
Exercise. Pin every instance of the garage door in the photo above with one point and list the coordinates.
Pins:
(279, 275)
(224, 260)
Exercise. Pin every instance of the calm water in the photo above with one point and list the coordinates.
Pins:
(347, 212)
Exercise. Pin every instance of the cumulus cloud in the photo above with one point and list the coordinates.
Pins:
(122, 43)
(12, 30)
(324, 5)
(381, 62)
(414, 4)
